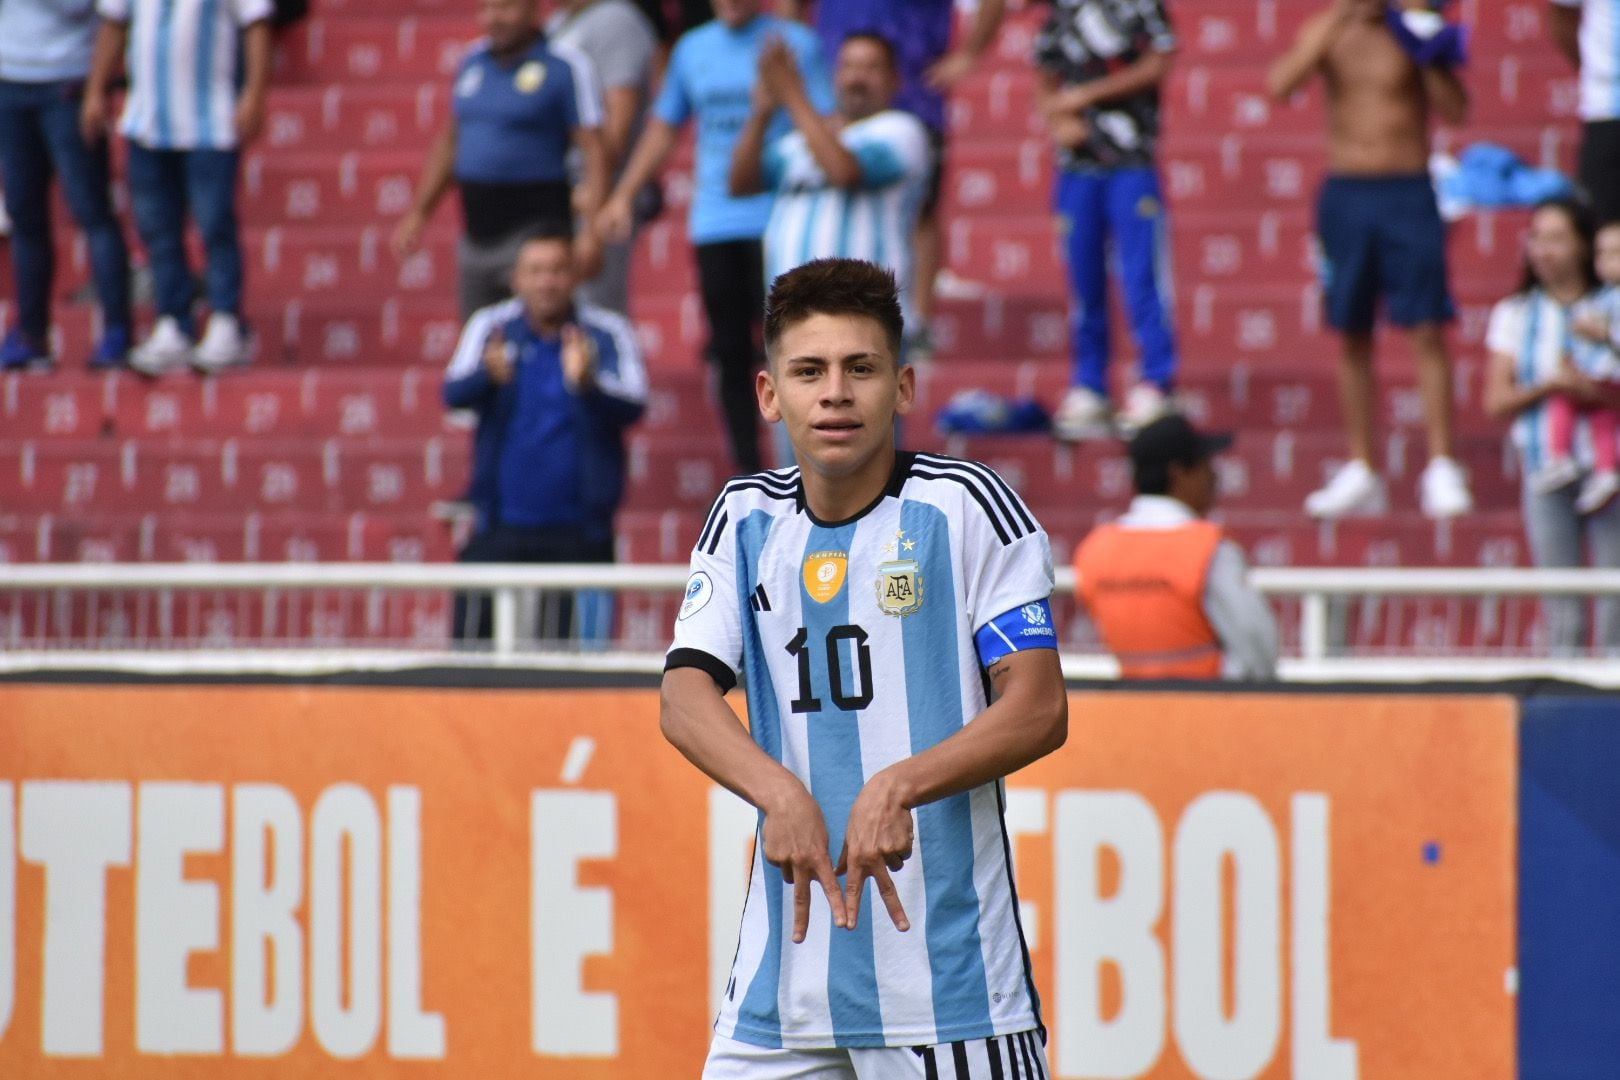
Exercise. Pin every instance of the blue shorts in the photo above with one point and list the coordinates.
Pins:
(1382, 237)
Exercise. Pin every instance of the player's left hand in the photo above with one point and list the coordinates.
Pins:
(878, 840)
(578, 358)
(1592, 326)
(943, 74)
(779, 72)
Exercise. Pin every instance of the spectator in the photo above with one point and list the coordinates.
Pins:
(555, 384)
(1595, 354)
(198, 77)
(619, 42)
(1381, 235)
(45, 51)
(847, 185)
(711, 79)
(1528, 339)
(920, 31)
(1168, 591)
(519, 104)
(1101, 65)
(1589, 34)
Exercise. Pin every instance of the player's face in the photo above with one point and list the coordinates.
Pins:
(1608, 254)
(1195, 485)
(506, 22)
(865, 80)
(544, 279)
(835, 382)
(1555, 249)
(735, 13)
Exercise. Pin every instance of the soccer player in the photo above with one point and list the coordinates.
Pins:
(889, 613)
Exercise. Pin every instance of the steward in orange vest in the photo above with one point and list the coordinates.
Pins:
(1165, 588)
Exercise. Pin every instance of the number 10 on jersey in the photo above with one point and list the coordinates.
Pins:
(843, 696)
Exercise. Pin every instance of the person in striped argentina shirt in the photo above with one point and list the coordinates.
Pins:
(889, 615)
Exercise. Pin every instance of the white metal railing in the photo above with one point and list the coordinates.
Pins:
(1315, 590)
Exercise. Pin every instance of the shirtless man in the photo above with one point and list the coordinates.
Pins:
(1381, 236)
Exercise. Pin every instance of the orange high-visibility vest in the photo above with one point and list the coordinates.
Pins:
(1145, 590)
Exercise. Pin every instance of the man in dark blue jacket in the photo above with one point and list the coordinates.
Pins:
(554, 385)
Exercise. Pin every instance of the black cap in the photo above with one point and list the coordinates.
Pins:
(1173, 439)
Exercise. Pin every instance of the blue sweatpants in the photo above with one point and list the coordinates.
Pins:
(1124, 206)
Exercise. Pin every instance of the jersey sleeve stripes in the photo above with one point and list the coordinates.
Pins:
(856, 644)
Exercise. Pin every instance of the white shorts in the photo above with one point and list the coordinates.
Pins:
(1007, 1057)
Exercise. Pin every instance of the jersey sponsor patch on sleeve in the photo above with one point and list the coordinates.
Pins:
(699, 590)
(1018, 630)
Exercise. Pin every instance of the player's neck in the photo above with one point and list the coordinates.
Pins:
(839, 498)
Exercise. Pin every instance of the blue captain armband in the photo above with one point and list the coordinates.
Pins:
(1018, 630)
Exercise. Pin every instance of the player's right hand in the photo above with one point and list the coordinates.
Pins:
(408, 233)
(498, 357)
(796, 842)
(614, 220)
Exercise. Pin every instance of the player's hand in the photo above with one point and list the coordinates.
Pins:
(588, 254)
(249, 118)
(779, 72)
(498, 357)
(1592, 326)
(408, 233)
(950, 69)
(795, 841)
(578, 358)
(616, 218)
(1068, 130)
(878, 840)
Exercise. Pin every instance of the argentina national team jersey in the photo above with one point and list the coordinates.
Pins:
(856, 642)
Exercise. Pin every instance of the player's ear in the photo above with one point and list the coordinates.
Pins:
(765, 390)
(907, 395)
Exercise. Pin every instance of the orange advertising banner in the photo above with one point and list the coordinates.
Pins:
(239, 881)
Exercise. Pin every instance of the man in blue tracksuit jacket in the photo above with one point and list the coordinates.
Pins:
(554, 384)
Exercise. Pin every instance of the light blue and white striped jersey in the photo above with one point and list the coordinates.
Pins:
(1600, 359)
(875, 222)
(856, 641)
(1600, 57)
(182, 62)
(1534, 329)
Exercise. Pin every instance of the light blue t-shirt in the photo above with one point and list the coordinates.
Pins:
(46, 40)
(711, 77)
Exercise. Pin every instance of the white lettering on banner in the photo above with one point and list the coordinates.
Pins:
(1117, 929)
(569, 923)
(345, 816)
(412, 1033)
(75, 830)
(1122, 930)
(733, 825)
(8, 906)
(1218, 827)
(265, 895)
(175, 918)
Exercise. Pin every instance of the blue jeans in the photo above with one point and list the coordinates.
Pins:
(163, 185)
(39, 136)
(1124, 206)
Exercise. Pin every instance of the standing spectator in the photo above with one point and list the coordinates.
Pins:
(519, 103)
(847, 185)
(620, 44)
(1528, 338)
(1589, 34)
(45, 52)
(555, 384)
(1102, 63)
(920, 31)
(1168, 590)
(1381, 236)
(710, 80)
(198, 76)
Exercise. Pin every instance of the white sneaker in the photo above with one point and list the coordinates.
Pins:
(1596, 493)
(1354, 490)
(1443, 489)
(1144, 404)
(222, 345)
(1084, 414)
(1556, 475)
(165, 347)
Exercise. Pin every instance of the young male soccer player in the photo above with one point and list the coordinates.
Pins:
(874, 602)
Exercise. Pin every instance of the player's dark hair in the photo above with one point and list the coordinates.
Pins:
(1151, 477)
(834, 287)
(1579, 215)
(549, 233)
(877, 38)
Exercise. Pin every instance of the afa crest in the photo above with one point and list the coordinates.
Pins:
(529, 77)
(824, 574)
(899, 587)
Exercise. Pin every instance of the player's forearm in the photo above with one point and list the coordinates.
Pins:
(436, 172)
(256, 56)
(593, 180)
(1145, 74)
(111, 40)
(619, 107)
(986, 24)
(656, 142)
(1565, 25)
(696, 720)
(1447, 94)
(747, 175)
(829, 151)
(1296, 66)
(1029, 721)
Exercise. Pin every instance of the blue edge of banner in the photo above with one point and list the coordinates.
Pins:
(1569, 889)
